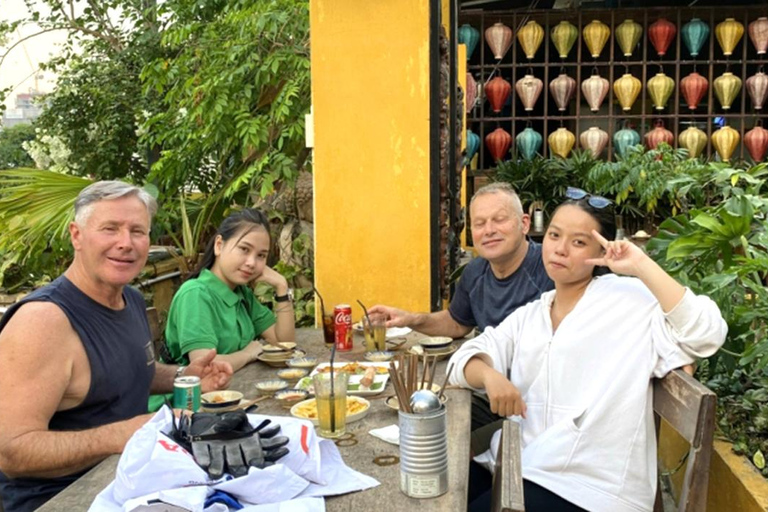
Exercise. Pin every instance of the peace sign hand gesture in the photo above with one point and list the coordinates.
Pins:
(621, 256)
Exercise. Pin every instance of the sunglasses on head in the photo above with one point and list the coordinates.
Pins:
(578, 194)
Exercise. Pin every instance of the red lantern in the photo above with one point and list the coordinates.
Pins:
(662, 33)
(756, 142)
(658, 135)
(498, 143)
(693, 87)
(497, 91)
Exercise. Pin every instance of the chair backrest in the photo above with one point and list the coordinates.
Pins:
(682, 401)
(689, 407)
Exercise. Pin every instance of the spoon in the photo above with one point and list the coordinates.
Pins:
(424, 401)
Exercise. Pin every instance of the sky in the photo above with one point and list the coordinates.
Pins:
(18, 67)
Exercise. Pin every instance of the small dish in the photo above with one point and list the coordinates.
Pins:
(287, 346)
(279, 359)
(434, 343)
(218, 400)
(271, 386)
(439, 354)
(379, 356)
(302, 362)
(291, 395)
(292, 374)
(307, 410)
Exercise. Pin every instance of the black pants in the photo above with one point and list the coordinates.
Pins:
(537, 498)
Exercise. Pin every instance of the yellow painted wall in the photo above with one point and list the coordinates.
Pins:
(370, 98)
(461, 72)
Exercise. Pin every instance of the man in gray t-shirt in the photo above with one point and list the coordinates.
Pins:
(507, 274)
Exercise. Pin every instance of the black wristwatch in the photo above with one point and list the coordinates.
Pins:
(285, 298)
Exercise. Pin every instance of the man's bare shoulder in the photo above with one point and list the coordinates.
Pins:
(37, 323)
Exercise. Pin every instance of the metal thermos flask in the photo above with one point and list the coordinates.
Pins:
(423, 454)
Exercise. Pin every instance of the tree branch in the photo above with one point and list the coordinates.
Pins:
(25, 38)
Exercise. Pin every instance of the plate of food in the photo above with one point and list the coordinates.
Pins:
(357, 409)
(364, 378)
(392, 332)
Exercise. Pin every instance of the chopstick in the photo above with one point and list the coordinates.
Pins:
(400, 391)
(432, 372)
(445, 381)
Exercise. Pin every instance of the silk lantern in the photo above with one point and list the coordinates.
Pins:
(562, 89)
(658, 135)
(729, 34)
(596, 34)
(497, 91)
(528, 90)
(561, 142)
(693, 88)
(498, 143)
(623, 139)
(660, 88)
(756, 142)
(725, 141)
(757, 87)
(662, 33)
(758, 33)
(469, 36)
(473, 146)
(499, 38)
(528, 143)
(628, 35)
(530, 37)
(694, 35)
(563, 36)
(694, 140)
(595, 89)
(626, 89)
(594, 139)
(471, 93)
(727, 87)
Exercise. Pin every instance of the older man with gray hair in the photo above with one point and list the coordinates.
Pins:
(76, 358)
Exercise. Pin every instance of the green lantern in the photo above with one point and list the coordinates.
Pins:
(529, 143)
(623, 139)
(473, 145)
(469, 36)
(694, 34)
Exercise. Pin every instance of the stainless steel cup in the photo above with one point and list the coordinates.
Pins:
(423, 454)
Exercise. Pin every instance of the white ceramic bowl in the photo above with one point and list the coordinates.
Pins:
(292, 374)
(435, 343)
(216, 400)
(302, 362)
(270, 386)
(291, 395)
(379, 356)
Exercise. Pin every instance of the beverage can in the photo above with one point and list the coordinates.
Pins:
(342, 327)
(186, 393)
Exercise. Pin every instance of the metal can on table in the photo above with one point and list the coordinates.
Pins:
(186, 393)
(342, 327)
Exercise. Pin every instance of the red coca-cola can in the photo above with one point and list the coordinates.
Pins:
(342, 327)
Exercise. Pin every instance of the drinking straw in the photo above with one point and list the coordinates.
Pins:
(365, 310)
(333, 396)
(442, 389)
(322, 304)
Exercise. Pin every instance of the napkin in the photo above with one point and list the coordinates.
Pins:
(390, 434)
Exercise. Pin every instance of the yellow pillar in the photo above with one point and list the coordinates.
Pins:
(370, 98)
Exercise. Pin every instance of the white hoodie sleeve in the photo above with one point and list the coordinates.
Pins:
(496, 343)
(693, 329)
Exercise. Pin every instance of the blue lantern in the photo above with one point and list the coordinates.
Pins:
(623, 139)
(473, 145)
(694, 34)
(469, 36)
(529, 143)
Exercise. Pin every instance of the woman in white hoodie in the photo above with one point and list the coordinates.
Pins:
(576, 365)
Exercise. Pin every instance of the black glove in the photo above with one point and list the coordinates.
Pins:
(226, 442)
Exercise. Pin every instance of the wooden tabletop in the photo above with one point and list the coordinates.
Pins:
(79, 496)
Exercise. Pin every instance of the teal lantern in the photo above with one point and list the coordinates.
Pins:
(623, 139)
(694, 34)
(473, 145)
(528, 143)
(469, 36)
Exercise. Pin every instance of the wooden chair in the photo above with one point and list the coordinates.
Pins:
(156, 330)
(682, 401)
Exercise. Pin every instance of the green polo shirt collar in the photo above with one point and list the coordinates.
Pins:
(218, 288)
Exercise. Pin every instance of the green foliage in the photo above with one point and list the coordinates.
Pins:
(234, 90)
(546, 179)
(12, 152)
(720, 249)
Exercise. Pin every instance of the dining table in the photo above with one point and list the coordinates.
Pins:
(360, 450)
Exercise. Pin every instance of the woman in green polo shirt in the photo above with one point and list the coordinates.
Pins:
(215, 307)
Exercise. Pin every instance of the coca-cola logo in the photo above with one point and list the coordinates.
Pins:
(342, 318)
